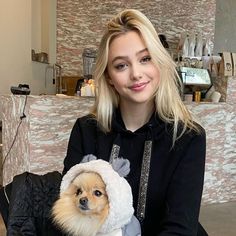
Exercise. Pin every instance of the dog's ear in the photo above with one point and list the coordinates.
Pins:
(89, 157)
(121, 166)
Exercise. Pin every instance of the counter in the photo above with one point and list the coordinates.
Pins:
(43, 135)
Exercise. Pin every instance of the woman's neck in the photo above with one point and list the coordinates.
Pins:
(136, 116)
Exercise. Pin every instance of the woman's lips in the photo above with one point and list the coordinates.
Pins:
(139, 86)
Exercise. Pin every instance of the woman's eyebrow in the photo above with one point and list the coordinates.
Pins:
(141, 51)
(119, 57)
(126, 57)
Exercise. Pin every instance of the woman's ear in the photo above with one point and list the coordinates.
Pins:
(110, 81)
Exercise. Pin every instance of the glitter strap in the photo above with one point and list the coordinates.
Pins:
(143, 185)
(114, 152)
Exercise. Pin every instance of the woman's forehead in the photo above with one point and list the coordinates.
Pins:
(126, 43)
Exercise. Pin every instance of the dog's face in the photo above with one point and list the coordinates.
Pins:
(83, 207)
(89, 194)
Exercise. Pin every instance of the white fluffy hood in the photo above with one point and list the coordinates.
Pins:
(117, 188)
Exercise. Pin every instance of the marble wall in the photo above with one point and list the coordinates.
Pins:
(80, 24)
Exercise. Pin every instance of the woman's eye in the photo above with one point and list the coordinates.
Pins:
(97, 193)
(145, 59)
(121, 66)
(79, 191)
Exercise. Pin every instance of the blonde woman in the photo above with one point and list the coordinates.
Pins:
(139, 115)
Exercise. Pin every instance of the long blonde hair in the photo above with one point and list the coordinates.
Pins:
(168, 103)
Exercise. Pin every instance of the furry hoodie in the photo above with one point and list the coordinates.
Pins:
(120, 220)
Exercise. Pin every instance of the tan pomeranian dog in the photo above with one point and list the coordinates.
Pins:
(83, 207)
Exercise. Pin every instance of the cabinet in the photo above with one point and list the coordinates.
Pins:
(69, 83)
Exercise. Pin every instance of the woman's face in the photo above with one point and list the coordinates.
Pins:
(131, 70)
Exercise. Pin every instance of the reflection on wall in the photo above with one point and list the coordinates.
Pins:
(80, 24)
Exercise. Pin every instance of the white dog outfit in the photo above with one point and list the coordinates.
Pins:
(120, 220)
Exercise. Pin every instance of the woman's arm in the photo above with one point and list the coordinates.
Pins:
(75, 148)
(185, 190)
(82, 141)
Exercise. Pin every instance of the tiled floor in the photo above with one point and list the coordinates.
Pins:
(217, 219)
(2, 227)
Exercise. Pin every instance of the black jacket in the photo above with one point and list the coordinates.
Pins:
(30, 205)
(176, 174)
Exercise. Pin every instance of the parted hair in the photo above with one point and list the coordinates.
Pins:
(168, 104)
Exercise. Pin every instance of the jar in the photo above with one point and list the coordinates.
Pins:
(197, 96)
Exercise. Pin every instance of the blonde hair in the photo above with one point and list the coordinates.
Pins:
(168, 103)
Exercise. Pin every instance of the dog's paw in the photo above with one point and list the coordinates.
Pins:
(121, 166)
(89, 157)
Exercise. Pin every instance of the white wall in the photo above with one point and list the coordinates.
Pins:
(19, 31)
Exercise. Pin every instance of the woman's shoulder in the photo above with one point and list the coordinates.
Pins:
(196, 131)
(183, 130)
(190, 135)
(186, 134)
(88, 120)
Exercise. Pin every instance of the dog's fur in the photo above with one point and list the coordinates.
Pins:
(83, 207)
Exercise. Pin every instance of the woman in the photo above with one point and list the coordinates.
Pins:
(139, 115)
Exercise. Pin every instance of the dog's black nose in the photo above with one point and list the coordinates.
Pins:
(83, 201)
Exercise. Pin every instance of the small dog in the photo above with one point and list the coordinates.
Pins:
(83, 207)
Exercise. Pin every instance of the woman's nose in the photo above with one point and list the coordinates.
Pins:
(136, 72)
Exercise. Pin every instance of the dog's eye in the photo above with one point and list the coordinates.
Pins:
(97, 193)
(79, 191)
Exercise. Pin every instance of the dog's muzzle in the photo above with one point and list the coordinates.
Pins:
(83, 203)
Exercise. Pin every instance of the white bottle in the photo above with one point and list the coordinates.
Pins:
(192, 44)
(185, 49)
(207, 48)
(199, 45)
